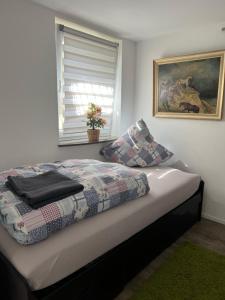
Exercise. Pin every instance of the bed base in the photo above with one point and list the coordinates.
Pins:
(106, 276)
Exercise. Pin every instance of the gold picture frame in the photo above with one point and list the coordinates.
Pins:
(189, 86)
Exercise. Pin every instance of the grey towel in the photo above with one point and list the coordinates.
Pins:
(43, 189)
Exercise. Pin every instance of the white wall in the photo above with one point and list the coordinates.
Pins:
(128, 84)
(201, 144)
(28, 87)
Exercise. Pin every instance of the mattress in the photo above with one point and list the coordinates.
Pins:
(68, 250)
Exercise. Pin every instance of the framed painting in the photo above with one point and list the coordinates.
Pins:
(189, 86)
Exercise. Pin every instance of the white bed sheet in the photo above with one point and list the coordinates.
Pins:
(70, 249)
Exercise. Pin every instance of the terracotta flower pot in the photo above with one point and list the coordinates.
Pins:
(93, 135)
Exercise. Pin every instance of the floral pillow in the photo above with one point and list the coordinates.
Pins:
(136, 148)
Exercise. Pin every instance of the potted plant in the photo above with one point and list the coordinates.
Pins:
(94, 121)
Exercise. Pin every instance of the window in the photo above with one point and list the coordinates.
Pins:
(89, 70)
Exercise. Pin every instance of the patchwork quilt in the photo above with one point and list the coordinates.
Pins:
(106, 185)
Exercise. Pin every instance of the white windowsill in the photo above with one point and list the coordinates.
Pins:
(76, 143)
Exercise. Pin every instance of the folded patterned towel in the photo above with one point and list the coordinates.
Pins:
(43, 189)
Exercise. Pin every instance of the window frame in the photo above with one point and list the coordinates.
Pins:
(116, 117)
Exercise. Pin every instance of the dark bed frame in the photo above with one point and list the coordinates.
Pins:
(105, 277)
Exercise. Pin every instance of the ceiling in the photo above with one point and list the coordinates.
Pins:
(141, 19)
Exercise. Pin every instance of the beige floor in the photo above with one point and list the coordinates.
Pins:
(206, 233)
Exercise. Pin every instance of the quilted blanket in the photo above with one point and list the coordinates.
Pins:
(106, 185)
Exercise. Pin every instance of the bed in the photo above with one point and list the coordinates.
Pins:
(96, 257)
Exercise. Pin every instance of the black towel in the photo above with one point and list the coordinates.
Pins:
(43, 189)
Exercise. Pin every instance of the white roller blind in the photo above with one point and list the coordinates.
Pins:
(87, 71)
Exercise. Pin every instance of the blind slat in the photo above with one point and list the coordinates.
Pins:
(91, 79)
(87, 53)
(82, 129)
(71, 102)
(73, 85)
(88, 60)
(91, 67)
(80, 95)
(74, 130)
(69, 113)
(89, 73)
(97, 90)
(109, 51)
(80, 122)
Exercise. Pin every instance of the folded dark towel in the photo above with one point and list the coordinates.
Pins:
(43, 189)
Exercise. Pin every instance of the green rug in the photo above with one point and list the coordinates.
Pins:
(190, 273)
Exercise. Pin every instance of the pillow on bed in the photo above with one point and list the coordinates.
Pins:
(136, 148)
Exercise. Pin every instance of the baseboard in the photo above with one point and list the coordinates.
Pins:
(212, 218)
